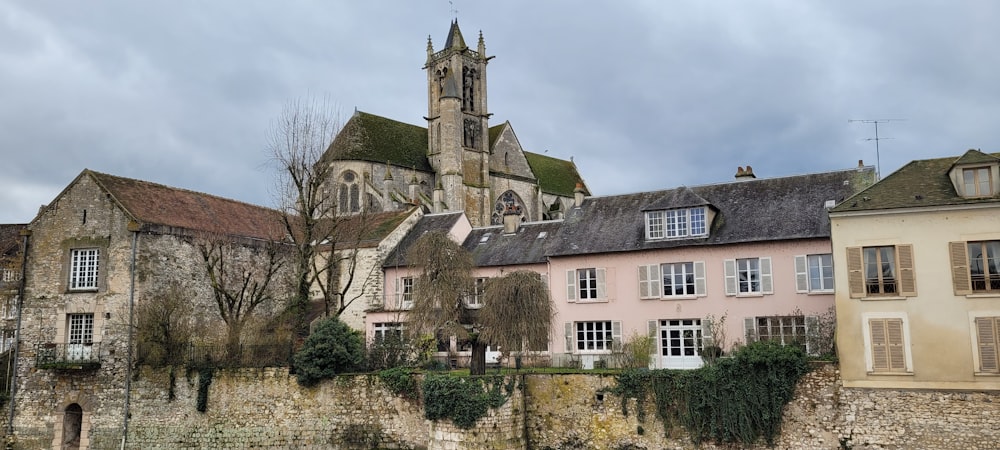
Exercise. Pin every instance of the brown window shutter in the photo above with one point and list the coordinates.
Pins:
(880, 352)
(894, 337)
(907, 279)
(960, 268)
(855, 272)
(986, 334)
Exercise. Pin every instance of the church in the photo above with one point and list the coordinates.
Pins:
(458, 162)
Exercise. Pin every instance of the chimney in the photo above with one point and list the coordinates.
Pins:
(578, 195)
(861, 163)
(747, 174)
(511, 219)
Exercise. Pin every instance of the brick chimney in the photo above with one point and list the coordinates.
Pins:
(578, 195)
(747, 174)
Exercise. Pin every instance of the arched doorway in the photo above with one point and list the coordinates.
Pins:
(72, 427)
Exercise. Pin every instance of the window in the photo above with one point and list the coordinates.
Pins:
(814, 273)
(475, 299)
(886, 345)
(383, 330)
(598, 335)
(881, 271)
(349, 193)
(10, 275)
(977, 182)
(83, 269)
(987, 342)
(680, 279)
(984, 266)
(786, 330)
(681, 337)
(404, 292)
(586, 284)
(81, 336)
(748, 276)
(676, 223)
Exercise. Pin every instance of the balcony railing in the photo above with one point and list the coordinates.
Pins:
(68, 356)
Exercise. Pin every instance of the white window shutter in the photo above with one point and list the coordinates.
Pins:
(602, 286)
(960, 280)
(652, 328)
(730, 266)
(649, 281)
(766, 283)
(571, 285)
(749, 331)
(812, 327)
(801, 274)
(706, 333)
(398, 294)
(699, 279)
(569, 337)
(616, 334)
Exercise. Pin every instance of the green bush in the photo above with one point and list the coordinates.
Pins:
(463, 399)
(400, 381)
(332, 348)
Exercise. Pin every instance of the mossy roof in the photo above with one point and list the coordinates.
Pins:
(919, 183)
(555, 176)
(367, 137)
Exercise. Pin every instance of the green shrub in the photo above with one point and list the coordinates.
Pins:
(400, 381)
(331, 348)
(463, 399)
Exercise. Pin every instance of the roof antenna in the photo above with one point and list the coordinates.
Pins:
(878, 173)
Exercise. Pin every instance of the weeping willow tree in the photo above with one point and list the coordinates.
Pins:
(517, 312)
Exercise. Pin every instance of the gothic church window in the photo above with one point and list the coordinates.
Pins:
(349, 193)
(508, 201)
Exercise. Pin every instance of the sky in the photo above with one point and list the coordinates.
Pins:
(642, 95)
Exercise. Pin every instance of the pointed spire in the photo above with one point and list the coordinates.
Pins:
(482, 45)
(455, 39)
(430, 47)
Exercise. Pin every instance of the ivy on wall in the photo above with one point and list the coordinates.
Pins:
(464, 400)
(737, 400)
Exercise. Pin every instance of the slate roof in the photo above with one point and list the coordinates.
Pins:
(155, 204)
(372, 227)
(755, 210)
(491, 247)
(919, 183)
(429, 222)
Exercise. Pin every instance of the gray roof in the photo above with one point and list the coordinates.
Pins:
(429, 222)
(529, 245)
(746, 211)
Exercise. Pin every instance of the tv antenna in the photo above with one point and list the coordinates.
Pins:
(878, 165)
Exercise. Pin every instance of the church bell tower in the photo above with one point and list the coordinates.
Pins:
(458, 127)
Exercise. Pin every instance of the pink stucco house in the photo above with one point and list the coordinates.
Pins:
(750, 257)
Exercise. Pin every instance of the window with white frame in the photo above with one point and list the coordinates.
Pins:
(678, 279)
(786, 330)
(674, 280)
(977, 182)
(10, 275)
(814, 273)
(987, 342)
(382, 330)
(404, 292)
(475, 298)
(748, 276)
(586, 284)
(885, 270)
(676, 223)
(596, 335)
(81, 329)
(83, 269)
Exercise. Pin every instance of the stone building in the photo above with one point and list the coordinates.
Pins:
(458, 162)
(104, 246)
(11, 259)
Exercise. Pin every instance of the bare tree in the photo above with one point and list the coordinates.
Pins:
(163, 326)
(517, 311)
(242, 277)
(326, 244)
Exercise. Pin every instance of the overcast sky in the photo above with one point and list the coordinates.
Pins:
(642, 95)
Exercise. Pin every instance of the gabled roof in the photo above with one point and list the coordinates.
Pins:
(155, 204)
(368, 137)
(746, 211)
(555, 176)
(490, 246)
(429, 222)
(919, 183)
(681, 197)
(368, 229)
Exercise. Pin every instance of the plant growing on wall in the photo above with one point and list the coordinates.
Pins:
(332, 348)
(163, 326)
(463, 399)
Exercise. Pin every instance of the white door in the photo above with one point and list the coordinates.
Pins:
(680, 343)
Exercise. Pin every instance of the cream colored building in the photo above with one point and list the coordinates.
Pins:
(917, 270)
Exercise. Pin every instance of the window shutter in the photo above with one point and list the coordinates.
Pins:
(801, 274)
(766, 284)
(960, 268)
(880, 352)
(855, 272)
(986, 334)
(616, 334)
(571, 285)
(652, 328)
(706, 334)
(699, 279)
(545, 280)
(730, 266)
(649, 281)
(602, 287)
(748, 330)
(399, 295)
(907, 280)
(812, 330)
(894, 336)
(569, 337)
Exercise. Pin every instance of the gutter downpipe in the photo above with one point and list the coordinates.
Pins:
(12, 389)
(134, 228)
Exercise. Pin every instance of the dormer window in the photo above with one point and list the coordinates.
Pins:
(676, 223)
(977, 182)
